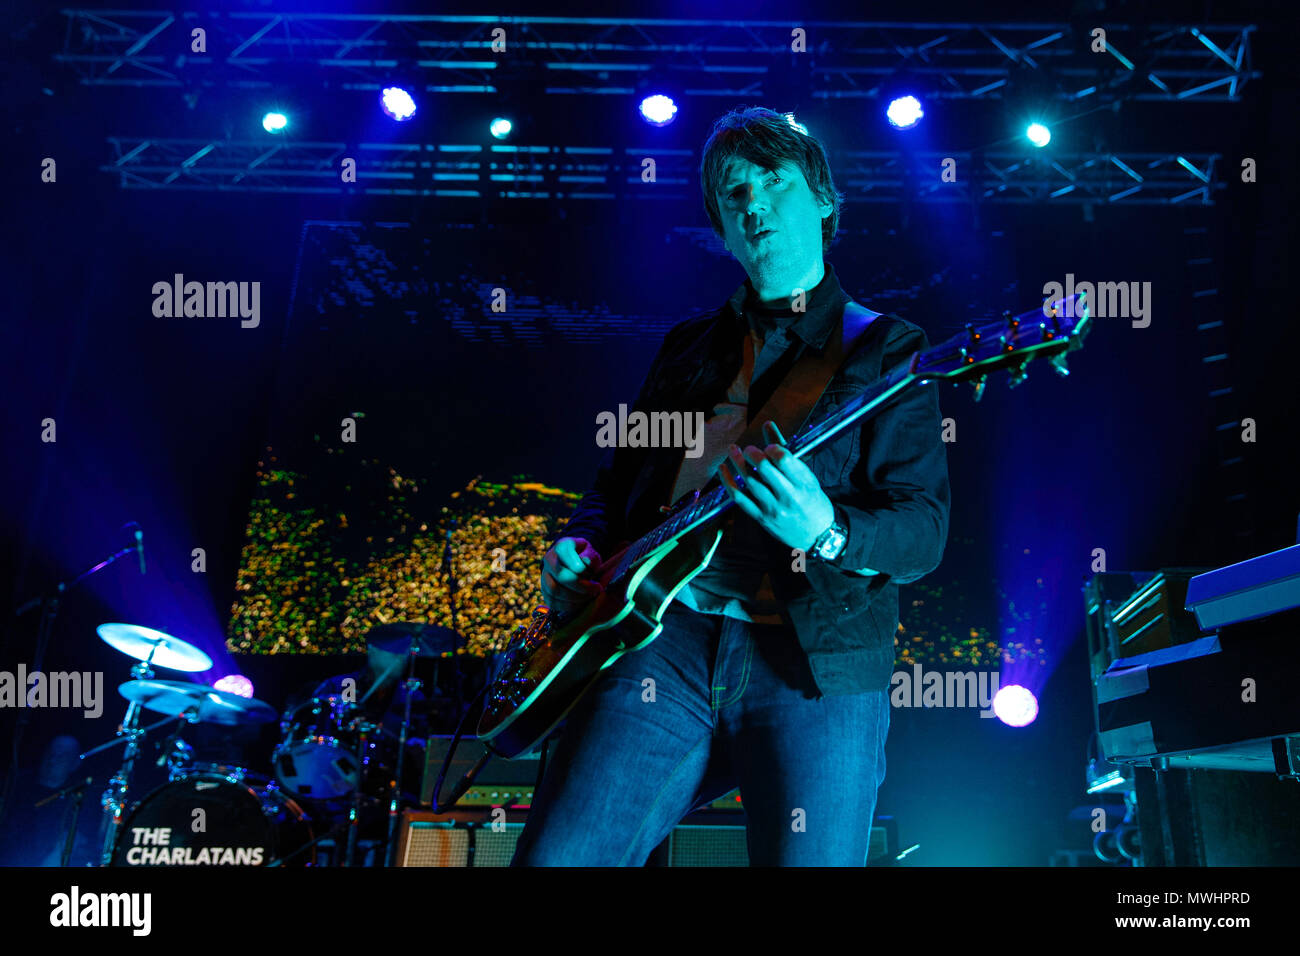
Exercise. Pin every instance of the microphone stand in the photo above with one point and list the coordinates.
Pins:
(411, 685)
(49, 605)
(78, 791)
(449, 572)
(395, 800)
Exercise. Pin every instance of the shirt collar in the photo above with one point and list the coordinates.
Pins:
(824, 304)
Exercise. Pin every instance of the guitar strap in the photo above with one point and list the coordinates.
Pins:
(794, 399)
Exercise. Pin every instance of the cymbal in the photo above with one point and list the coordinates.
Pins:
(429, 640)
(175, 697)
(138, 642)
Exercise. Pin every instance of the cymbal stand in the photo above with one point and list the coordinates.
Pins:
(395, 800)
(114, 798)
(363, 728)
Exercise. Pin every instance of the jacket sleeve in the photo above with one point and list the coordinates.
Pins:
(600, 515)
(897, 511)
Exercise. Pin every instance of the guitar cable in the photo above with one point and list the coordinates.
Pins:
(470, 775)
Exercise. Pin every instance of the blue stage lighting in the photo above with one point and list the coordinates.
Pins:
(1039, 134)
(274, 122)
(904, 112)
(658, 109)
(397, 103)
(501, 127)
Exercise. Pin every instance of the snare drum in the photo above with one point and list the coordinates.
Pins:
(206, 819)
(181, 764)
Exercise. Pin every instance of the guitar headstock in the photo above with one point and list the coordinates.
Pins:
(1011, 343)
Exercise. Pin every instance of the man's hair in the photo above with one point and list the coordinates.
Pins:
(767, 138)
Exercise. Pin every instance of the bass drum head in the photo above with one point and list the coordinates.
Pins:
(208, 820)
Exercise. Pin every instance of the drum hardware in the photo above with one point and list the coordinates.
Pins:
(395, 801)
(156, 647)
(191, 702)
(113, 799)
(411, 637)
(334, 831)
(181, 764)
(197, 703)
(363, 728)
(173, 750)
(411, 640)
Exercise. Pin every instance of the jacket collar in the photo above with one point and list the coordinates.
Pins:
(824, 306)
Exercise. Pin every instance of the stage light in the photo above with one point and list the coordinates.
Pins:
(1039, 134)
(236, 684)
(658, 109)
(904, 112)
(397, 103)
(501, 127)
(274, 122)
(1015, 706)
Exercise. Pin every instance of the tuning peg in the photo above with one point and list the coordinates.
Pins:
(979, 386)
(1018, 375)
(1057, 362)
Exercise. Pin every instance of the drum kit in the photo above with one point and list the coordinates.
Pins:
(334, 758)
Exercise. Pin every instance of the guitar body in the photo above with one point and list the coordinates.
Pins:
(548, 667)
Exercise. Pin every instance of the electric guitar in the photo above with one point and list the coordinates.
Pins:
(552, 659)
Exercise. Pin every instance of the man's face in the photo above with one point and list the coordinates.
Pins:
(772, 223)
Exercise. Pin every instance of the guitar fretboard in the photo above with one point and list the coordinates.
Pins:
(712, 504)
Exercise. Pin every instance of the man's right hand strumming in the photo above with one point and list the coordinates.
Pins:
(566, 571)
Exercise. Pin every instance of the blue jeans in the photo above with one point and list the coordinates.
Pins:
(732, 704)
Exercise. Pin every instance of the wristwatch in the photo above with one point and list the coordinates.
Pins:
(830, 543)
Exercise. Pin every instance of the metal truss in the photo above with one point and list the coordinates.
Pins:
(598, 55)
(504, 172)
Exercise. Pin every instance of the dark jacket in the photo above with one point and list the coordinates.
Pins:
(889, 474)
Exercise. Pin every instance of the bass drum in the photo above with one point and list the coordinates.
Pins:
(207, 819)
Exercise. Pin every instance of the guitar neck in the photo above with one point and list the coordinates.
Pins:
(709, 506)
(1050, 330)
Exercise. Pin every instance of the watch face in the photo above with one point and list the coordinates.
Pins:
(833, 545)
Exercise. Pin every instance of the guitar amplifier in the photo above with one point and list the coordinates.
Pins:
(501, 782)
(458, 839)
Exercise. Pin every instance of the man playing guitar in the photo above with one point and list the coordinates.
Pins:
(772, 668)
